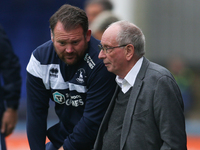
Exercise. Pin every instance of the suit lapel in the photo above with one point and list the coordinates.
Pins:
(132, 101)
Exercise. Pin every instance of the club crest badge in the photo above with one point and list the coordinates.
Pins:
(81, 75)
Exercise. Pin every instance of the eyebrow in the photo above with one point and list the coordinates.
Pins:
(105, 45)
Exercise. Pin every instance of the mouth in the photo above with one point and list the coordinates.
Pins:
(106, 64)
(68, 59)
(69, 56)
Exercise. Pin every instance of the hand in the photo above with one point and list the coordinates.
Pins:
(61, 148)
(9, 121)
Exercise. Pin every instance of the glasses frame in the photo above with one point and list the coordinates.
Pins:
(105, 49)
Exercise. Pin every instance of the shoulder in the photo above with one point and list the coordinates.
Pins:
(42, 59)
(157, 77)
(153, 71)
(95, 67)
(45, 53)
(91, 57)
(156, 69)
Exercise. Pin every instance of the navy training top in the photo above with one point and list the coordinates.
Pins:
(81, 94)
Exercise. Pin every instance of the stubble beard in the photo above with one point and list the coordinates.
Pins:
(76, 58)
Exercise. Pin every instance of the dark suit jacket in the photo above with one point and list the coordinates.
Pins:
(154, 118)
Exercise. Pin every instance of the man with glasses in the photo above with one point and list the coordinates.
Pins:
(66, 69)
(146, 111)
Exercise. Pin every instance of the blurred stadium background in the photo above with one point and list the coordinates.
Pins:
(172, 30)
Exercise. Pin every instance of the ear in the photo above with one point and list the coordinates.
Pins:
(51, 35)
(88, 35)
(129, 52)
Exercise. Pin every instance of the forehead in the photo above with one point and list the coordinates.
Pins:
(110, 35)
(60, 31)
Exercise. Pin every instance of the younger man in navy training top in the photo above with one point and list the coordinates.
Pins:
(67, 71)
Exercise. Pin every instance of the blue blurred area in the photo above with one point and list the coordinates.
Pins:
(26, 23)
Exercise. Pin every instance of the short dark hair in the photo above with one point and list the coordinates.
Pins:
(71, 17)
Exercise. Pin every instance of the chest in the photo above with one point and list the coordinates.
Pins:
(68, 85)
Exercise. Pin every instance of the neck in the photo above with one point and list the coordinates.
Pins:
(127, 68)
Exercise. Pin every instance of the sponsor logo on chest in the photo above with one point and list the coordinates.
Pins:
(75, 100)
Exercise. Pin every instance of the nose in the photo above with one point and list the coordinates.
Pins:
(69, 49)
(102, 55)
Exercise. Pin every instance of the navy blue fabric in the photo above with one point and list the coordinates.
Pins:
(49, 146)
(10, 87)
(27, 26)
(80, 112)
(10, 79)
(2, 140)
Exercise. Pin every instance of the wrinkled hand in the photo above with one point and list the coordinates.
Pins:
(9, 121)
(61, 148)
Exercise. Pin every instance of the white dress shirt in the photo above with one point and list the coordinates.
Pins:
(129, 79)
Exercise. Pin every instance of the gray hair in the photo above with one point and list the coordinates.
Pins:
(131, 34)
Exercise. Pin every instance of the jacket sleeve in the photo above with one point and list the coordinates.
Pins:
(10, 70)
(37, 110)
(169, 114)
(101, 86)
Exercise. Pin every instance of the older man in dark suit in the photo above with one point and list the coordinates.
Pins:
(146, 111)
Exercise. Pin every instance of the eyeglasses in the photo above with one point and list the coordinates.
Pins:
(109, 49)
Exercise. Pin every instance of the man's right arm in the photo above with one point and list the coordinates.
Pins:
(37, 110)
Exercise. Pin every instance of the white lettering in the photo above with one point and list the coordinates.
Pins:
(75, 100)
(75, 97)
(75, 103)
(81, 102)
(68, 102)
(89, 61)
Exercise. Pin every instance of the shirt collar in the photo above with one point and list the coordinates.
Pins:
(129, 79)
